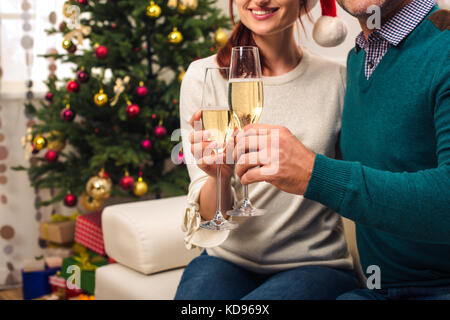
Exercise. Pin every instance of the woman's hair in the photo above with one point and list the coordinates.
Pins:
(242, 36)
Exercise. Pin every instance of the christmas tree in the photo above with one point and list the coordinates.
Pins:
(106, 131)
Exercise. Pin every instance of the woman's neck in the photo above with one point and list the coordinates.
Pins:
(280, 51)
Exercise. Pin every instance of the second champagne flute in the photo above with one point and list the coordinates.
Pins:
(246, 102)
(216, 118)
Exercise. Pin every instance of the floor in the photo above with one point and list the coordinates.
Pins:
(12, 294)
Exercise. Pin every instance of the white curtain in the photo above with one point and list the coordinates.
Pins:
(18, 215)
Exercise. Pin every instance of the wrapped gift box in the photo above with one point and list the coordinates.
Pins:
(88, 232)
(36, 284)
(60, 232)
(87, 264)
(59, 286)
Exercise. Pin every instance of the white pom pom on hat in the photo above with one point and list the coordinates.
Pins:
(329, 30)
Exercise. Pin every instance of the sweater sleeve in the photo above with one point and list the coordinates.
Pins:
(190, 100)
(414, 205)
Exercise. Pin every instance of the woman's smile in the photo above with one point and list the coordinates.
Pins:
(260, 13)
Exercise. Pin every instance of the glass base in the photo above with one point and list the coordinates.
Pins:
(246, 210)
(219, 224)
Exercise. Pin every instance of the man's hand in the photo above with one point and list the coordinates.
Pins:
(282, 159)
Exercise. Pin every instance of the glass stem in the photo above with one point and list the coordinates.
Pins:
(219, 191)
(246, 193)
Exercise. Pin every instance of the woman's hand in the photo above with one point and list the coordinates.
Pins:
(203, 150)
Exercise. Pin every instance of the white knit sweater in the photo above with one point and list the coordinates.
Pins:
(295, 231)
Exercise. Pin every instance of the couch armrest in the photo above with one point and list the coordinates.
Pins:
(146, 236)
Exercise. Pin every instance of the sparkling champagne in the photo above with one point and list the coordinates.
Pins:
(246, 100)
(218, 123)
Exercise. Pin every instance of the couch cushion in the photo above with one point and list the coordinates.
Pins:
(116, 282)
(146, 236)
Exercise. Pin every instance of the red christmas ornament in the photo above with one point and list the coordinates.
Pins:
(127, 182)
(70, 200)
(49, 97)
(146, 145)
(101, 52)
(51, 156)
(141, 91)
(34, 150)
(160, 132)
(153, 116)
(133, 110)
(72, 49)
(72, 86)
(82, 76)
(82, 2)
(67, 114)
(62, 26)
(180, 158)
(106, 175)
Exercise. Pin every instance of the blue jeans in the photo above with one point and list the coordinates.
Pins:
(212, 278)
(407, 293)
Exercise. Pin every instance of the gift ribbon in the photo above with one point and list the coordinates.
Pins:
(84, 262)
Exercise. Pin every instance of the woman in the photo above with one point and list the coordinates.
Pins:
(297, 250)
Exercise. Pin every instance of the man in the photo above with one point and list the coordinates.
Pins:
(394, 179)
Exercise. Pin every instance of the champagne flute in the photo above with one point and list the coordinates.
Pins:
(217, 119)
(246, 102)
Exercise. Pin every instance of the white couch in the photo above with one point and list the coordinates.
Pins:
(146, 240)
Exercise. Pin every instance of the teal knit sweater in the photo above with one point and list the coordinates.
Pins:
(394, 180)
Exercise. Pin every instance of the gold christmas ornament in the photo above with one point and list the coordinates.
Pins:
(39, 142)
(153, 10)
(175, 36)
(99, 188)
(185, 6)
(67, 44)
(140, 187)
(181, 76)
(220, 37)
(172, 4)
(54, 141)
(101, 98)
(56, 145)
(89, 203)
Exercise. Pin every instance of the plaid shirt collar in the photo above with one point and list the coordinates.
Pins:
(397, 28)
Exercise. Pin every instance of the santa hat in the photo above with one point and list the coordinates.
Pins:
(329, 30)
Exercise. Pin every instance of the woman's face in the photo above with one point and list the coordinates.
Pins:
(268, 17)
